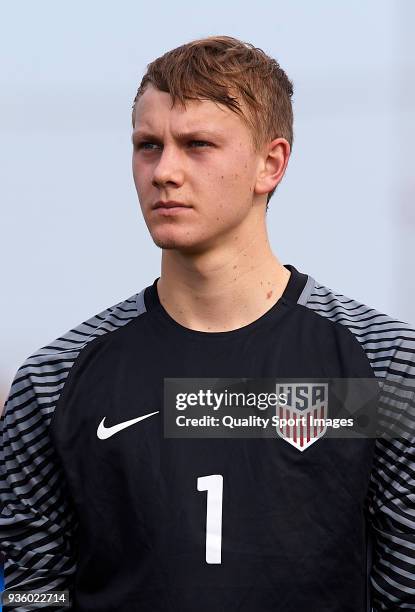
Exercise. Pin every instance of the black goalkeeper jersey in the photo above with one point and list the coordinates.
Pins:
(96, 499)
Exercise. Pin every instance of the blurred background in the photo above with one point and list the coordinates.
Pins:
(73, 240)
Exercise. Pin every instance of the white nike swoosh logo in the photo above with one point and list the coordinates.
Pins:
(106, 432)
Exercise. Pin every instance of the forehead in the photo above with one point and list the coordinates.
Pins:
(154, 109)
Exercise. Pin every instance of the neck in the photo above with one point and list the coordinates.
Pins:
(223, 288)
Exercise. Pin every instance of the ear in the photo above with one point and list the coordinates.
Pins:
(272, 165)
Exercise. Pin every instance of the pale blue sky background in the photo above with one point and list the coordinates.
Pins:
(73, 241)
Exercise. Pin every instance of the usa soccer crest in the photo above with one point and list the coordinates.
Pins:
(302, 420)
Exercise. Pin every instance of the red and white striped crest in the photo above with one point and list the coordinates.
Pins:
(298, 419)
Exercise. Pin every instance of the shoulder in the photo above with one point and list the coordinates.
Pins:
(39, 380)
(388, 343)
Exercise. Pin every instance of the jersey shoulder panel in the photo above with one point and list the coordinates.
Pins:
(388, 343)
(44, 372)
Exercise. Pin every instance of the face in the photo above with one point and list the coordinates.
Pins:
(201, 157)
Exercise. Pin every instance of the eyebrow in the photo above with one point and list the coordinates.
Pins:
(194, 134)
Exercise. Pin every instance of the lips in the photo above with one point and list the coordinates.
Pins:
(169, 204)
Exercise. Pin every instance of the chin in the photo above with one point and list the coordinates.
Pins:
(165, 240)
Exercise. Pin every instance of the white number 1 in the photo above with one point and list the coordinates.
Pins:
(214, 486)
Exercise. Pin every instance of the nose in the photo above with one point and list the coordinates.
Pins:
(169, 168)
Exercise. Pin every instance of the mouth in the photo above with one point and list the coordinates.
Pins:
(169, 204)
(170, 208)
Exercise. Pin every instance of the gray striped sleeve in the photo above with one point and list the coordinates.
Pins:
(389, 345)
(37, 521)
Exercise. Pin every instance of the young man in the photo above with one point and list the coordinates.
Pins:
(99, 499)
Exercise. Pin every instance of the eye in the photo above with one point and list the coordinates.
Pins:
(143, 145)
(200, 142)
(147, 146)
